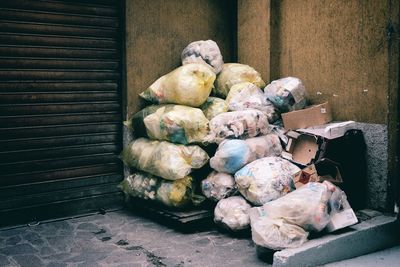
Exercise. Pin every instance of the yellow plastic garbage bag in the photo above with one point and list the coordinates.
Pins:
(164, 159)
(188, 85)
(173, 123)
(234, 73)
(214, 106)
(176, 194)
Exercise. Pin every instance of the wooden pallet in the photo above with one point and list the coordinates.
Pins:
(194, 219)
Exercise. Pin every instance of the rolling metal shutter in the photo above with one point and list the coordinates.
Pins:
(60, 107)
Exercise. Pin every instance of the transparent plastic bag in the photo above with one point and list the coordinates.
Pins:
(233, 154)
(234, 73)
(237, 124)
(232, 213)
(188, 85)
(287, 94)
(205, 52)
(214, 106)
(164, 159)
(174, 123)
(218, 185)
(248, 96)
(266, 179)
(176, 194)
(277, 224)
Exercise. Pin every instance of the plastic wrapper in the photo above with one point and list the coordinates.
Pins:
(176, 194)
(214, 106)
(266, 179)
(232, 213)
(248, 96)
(283, 223)
(205, 52)
(188, 85)
(287, 94)
(164, 159)
(233, 154)
(174, 123)
(218, 185)
(234, 73)
(237, 124)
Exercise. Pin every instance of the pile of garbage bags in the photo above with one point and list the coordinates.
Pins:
(206, 101)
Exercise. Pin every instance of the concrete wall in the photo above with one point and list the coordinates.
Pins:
(346, 52)
(158, 30)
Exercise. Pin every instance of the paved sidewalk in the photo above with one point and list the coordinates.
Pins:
(388, 258)
(121, 239)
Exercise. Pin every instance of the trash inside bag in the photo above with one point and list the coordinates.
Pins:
(188, 85)
(214, 106)
(233, 154)
(174, 123)
(266, 179)
(176, 194)
(248, 96)
(237, 124)
(232, 213)
(287, 94)
(164, 159)
(277, 224)
(276, 234)
(234, 73)
(205, 52)
(218, 185)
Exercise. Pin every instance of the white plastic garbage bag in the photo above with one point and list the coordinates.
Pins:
(218, 185)
(174, 123)
(238, 124)
(214, 106)
(188, 85)
(248, 96)
(287, 94)
(164, 159)
(233, 154)
(266, 179)
(232, 213)
(284, 222)
(206, 52)
(234, 73)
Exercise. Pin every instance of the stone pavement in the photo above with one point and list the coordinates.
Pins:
(121, 239)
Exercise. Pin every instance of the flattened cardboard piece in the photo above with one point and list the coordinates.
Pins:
(331, 130)
(301, 148)
(311, 116)
(341, 220)
(324, 170)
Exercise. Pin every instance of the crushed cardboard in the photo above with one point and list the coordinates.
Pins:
(311, 116)
(324, 170)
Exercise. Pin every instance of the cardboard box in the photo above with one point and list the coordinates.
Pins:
(324, 170)
(331, 130)
(341, 220)
(311, 116)
(301, 148)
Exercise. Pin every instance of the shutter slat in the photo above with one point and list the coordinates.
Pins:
(56, 141)
(47, 17)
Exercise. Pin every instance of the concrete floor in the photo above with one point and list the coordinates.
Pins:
(121, 239)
